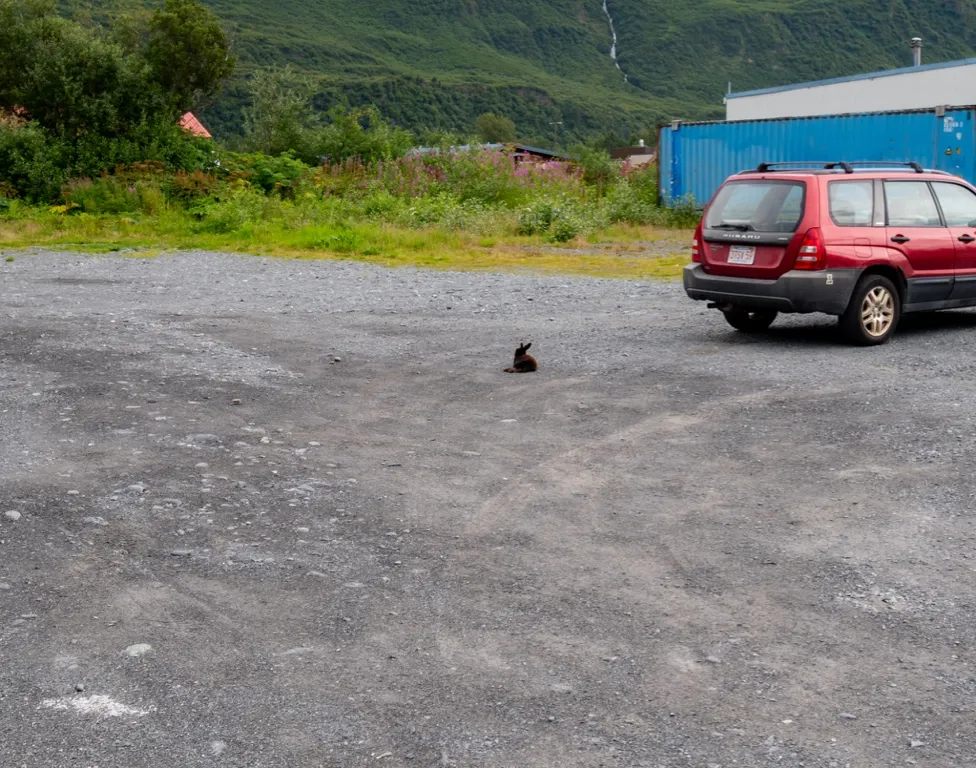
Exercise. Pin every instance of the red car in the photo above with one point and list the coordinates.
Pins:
(864, 241)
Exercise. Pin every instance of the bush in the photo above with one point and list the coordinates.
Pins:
(684, 214)
(644, 180)
(430, 210)
(186, 187)
(361, 133)
(152, 200)
(105, 195)
(31, 164)
(449, 213)
(242, 207)
(599, 170)
(623, 203)
(380, 204)
(566, 226)
(559, 220)
(12, 209)
(536, 219)
(488, 177)
(280, 175)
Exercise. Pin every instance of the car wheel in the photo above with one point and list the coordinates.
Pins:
(873, 312)
(749, 321)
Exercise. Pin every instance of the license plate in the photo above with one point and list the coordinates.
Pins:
(742, 254)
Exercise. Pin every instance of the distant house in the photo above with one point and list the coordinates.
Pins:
(524, 152)
(456, 150)
(521, 152)
(639, 155)
(189, 122)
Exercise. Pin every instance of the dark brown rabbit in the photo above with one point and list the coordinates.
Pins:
(524, 362)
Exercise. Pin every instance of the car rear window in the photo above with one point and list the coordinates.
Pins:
(851, 203)
(757, 206)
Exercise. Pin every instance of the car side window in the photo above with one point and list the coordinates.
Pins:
(851, 203)
(958, 204)
(910, 204)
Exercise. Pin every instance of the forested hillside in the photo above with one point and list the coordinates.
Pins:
(438, 64)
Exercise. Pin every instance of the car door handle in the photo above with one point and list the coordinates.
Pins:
(900, 239)
(966, 239)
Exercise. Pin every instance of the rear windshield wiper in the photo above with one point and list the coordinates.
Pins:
(735, 227)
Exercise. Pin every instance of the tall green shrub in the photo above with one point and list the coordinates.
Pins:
(89, 100)
(361, 133)
(31, 163)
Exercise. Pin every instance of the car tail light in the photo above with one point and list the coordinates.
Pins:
(696, 247)
(812, 253)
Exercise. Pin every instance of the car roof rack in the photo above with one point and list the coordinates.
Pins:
(826, 165)
(847, 166)
(884, 163)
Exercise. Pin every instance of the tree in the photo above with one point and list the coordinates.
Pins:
(187, 52)
(76, 80)
(92, 98)
(280, 116)
(494, 128)
(598, 168)
(67, 78)
(361, 133)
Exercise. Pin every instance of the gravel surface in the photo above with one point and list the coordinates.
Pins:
(287, 513)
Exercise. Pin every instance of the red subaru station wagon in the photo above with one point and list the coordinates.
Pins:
(863, 241)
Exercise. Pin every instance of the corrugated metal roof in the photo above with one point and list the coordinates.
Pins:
(541, 152)
(817, 117)
(462, 148)
(494, 147)
(854, 78)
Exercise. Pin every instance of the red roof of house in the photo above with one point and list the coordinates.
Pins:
(190, 123)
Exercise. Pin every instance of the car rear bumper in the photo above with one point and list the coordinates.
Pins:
(796, 291)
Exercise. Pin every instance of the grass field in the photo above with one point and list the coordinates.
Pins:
(622, 251)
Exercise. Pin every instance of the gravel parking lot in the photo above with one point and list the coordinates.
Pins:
(288, 513)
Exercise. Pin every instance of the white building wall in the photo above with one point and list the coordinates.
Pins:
(949, 85)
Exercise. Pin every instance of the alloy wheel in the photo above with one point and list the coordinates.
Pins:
(877, 311)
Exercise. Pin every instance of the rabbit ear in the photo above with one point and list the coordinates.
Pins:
(525, 347)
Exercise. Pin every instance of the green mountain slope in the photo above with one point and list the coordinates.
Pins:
(438, 64)
(698, 46)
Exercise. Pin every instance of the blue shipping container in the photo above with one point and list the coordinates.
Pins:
(695, 158)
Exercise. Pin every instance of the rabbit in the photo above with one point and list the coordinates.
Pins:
(524, 362)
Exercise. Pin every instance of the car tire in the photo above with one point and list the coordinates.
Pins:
(873, 312)
(750, 321)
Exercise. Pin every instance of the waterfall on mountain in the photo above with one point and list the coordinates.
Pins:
(613, 35)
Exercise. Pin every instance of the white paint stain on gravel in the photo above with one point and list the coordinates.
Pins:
(100, 706)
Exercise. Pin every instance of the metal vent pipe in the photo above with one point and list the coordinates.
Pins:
(916, 51)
